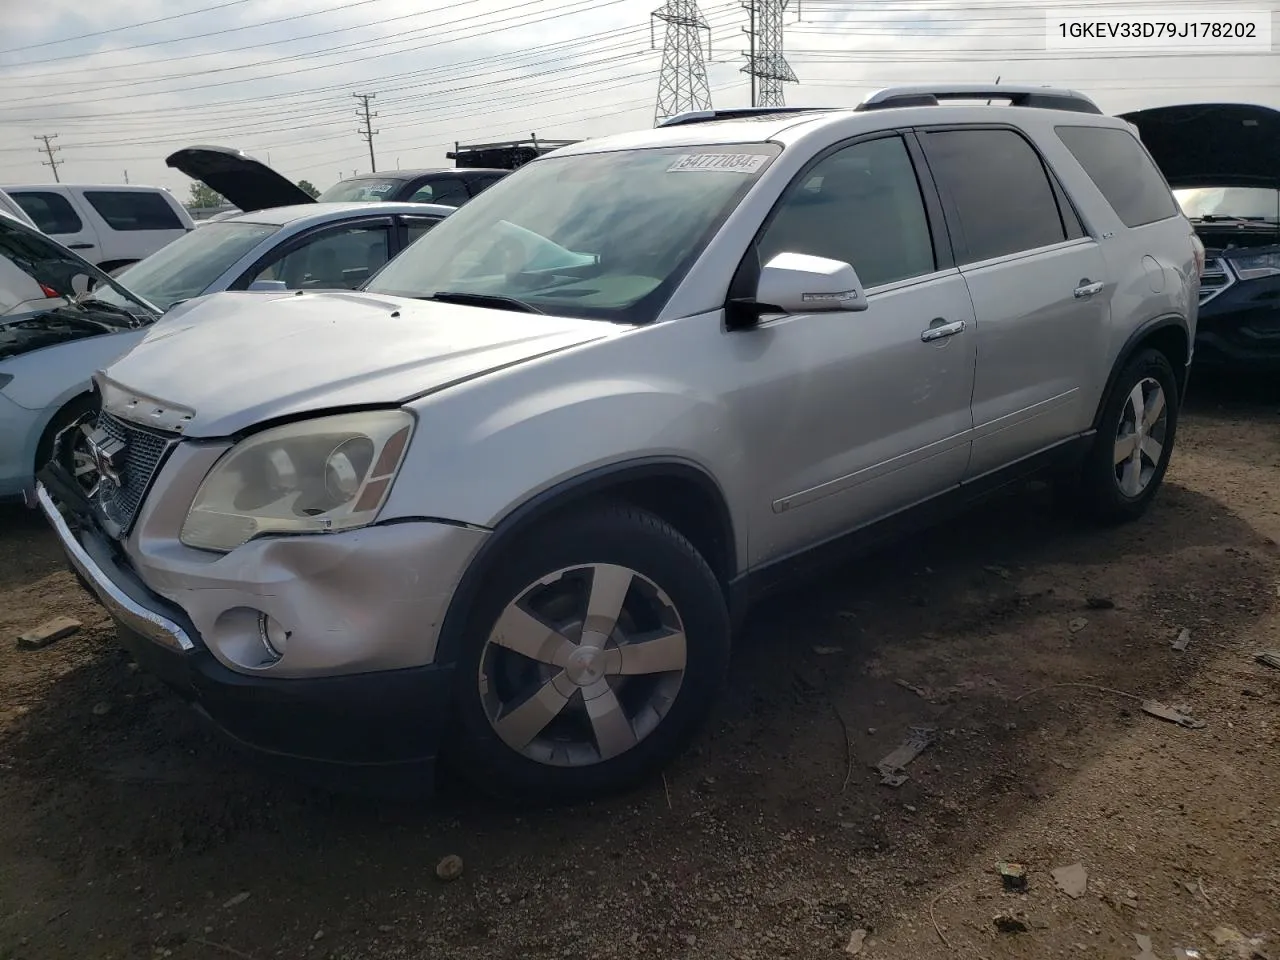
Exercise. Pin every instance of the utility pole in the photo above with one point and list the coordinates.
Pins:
(751, 55)
(49, 150)
(367, 131)
(126, 177)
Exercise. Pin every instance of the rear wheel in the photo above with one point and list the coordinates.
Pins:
(1135, 438)
(591, 660)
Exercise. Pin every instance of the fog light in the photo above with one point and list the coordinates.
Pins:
(273, 636)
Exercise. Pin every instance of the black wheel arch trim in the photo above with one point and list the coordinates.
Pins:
(578, 489)
(1131, 347)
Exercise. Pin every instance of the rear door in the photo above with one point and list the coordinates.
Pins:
(131, 224)
(58, 218)
(1039, 285)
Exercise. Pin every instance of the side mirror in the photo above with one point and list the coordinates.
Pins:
(264, 286)
(799, 283)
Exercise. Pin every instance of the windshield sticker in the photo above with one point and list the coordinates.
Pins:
(719, 162)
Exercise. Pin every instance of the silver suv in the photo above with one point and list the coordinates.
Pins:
(505, 505)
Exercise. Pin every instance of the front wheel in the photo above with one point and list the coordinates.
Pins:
(76, 458)
(593, 656)
(1131, 451)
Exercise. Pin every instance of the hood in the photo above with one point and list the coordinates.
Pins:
(233, 360)
(248, 183)
(45, 298)
(1213, 144)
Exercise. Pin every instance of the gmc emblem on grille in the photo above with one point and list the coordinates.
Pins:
(107, 454)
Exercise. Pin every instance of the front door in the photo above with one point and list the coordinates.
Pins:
(857, 415)
(1039, 285)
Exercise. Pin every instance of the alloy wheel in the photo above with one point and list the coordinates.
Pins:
(1140, 437)
(582, 665)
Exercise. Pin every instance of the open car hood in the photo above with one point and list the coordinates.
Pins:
(248, 183)
(1213, 144)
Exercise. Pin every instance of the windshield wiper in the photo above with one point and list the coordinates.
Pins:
(95, 304)
(483, 300)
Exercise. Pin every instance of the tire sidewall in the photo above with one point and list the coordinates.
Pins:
(652, 548)
(1102, 487)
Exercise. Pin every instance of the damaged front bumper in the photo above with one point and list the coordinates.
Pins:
(380, 728)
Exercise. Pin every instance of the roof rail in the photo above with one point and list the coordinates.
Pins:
(735, 113)
(1018, 95)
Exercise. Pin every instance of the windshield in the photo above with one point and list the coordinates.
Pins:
(37, 274)
(598, 236)
(1246, 203)
(359, 191)
(186, 267)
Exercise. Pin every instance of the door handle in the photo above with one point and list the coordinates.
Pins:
(80, 246)
(940, 330)
(1087, 288)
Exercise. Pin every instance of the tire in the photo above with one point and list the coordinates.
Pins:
(553, 570)
(72, 411)
(1106, 491)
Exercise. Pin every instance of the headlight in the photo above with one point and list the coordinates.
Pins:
(1251, 268)
(314, 476)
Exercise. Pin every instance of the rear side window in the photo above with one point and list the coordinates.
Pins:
(132, 210)
(51, 211)
(996, 188)
(1122, 171)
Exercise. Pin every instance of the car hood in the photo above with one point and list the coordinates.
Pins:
(234, 360)
(1213, 144)
(248, 183)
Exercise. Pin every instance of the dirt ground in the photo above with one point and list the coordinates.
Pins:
(127, 831)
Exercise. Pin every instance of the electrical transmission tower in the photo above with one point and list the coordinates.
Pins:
(682, 84)
(766, 65)
(49, 150)
(367, 131)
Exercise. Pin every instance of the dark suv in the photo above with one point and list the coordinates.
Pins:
(1223, 161)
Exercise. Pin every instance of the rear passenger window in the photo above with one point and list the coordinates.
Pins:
(133, 210)
(998, 191)
(1122, 171)
(862, 206)
(52, 212)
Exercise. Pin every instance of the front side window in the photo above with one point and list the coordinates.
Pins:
(596, 235)
(448, 190)
(339, 259)
(999, 192)
(1122, 171)
(186, 267)
(133, 210)
(862, 206)
(52, 212)
(360, 190)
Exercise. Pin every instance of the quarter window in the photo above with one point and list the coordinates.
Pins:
(133, 210)
(862, 206)
(51, 212)
(1122, 171)
(997, 191)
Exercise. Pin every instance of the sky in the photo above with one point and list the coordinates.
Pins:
(123, 83)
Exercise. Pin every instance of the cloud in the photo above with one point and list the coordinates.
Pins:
(484, 70)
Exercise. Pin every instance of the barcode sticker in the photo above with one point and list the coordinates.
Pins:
(719, 162)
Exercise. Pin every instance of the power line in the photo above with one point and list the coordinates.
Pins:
(49, 150)
(131, 26)
(367, 131)
(766, 65)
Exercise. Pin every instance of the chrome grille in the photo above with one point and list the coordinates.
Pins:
(1215, 278)
(143, 452)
